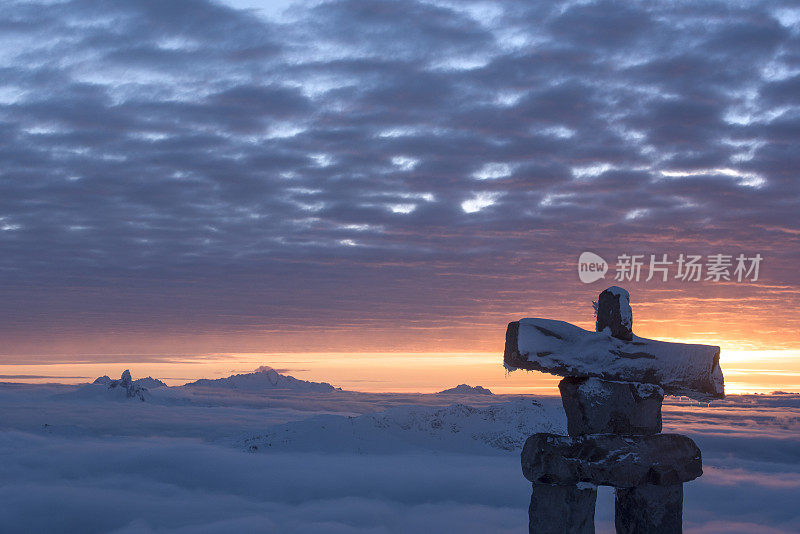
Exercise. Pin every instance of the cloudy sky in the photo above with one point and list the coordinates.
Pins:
(196, 177)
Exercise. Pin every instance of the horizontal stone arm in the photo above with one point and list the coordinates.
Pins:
(564, 349)
(611, 460)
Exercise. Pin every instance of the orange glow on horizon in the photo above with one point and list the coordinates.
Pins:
(745, 371)
(759, 339)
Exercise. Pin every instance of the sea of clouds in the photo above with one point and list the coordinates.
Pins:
(179, 463)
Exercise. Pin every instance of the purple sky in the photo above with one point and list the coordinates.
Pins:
(188, 177)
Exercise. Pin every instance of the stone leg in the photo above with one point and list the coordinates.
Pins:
(649, 509)
(561, 510)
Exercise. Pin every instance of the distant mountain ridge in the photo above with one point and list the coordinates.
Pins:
(458, 428)
(104, 387)
(147, 382)
(263, 378)
(464, 389)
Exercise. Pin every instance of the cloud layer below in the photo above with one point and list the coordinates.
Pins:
(99, 465)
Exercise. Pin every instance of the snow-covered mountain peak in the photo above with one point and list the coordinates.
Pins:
(107, 388)
(263, 378)
(147, 382)
(465, 389)
(126, 384)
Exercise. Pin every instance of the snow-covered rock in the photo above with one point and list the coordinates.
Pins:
(264, 378)
(564, 349)
(613, 310)
(611, 460)
(457, 428)
(595, 406)
(464, 389)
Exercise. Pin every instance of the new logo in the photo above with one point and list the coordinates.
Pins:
(591, 267)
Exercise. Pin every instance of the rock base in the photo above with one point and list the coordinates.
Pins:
(561, 510)
(649, 509)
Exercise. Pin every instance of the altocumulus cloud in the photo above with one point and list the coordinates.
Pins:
(147, 145)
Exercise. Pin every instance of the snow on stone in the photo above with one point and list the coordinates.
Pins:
(626, 313)
(564, 349)
(456, 428)
(593, 389)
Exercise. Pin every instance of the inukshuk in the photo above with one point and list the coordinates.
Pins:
(612, 392)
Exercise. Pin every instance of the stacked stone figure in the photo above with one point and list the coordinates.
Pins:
(612, 393)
